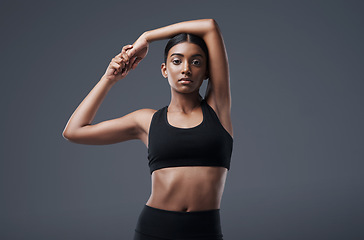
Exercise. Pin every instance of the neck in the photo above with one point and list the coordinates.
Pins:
(184, 102)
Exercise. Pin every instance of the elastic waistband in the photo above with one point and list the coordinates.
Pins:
(202, 212)
(177, 224)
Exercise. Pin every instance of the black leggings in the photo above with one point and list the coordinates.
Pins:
(158, 224)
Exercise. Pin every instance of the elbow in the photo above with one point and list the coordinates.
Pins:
(69, 138)
(65, 135)
(70, 133)
(212, 23)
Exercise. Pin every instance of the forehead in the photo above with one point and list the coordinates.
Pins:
(187, 49)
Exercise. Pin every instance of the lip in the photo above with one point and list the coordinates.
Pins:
(185, 80)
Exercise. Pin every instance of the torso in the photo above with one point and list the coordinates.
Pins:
(191, 188)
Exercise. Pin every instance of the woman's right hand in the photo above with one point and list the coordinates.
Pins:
(119, 66)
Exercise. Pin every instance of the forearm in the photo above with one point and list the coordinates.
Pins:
(197, 27)
(86, 111)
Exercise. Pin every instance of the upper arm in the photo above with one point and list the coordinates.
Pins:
(218, 89)
(218, 94)
(128, 127)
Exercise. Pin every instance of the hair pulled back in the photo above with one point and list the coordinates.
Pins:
(186, 37)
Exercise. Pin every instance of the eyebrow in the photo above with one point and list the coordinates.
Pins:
(180, 54)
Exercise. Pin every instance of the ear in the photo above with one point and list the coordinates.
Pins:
(164, 70)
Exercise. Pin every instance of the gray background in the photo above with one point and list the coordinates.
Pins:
(297, 89)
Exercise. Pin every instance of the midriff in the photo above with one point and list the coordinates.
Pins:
(187, 189)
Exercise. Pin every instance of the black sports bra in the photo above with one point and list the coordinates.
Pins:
(207, 144)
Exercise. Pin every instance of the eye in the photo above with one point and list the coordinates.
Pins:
(176, 61)
(196, 62)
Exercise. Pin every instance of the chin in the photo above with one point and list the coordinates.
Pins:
(187, 90)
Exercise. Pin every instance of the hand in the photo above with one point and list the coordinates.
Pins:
(119, 66)
(139, 51)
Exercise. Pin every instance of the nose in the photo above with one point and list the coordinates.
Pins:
(186, 69)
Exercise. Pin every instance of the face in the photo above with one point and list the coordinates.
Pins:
(185, 67)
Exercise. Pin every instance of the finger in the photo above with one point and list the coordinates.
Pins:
(117, 67)
(126, 47)
(118, 57)
(131, 52)
(125, 57)
(130, 64)
(118, 60)
(114, 66)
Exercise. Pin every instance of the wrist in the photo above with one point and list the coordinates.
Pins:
(146, 36)
(108, 81)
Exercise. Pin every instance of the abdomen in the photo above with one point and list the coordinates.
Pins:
(193, 188)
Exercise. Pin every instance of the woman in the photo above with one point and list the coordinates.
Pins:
(189, 141)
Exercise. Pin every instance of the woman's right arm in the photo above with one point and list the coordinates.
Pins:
(131, 126)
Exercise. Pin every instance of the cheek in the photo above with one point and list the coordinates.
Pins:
(172, 70)
(201, 71)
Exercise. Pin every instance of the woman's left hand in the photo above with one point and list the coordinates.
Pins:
(139, 51)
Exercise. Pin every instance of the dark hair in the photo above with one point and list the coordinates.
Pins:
(186, 37)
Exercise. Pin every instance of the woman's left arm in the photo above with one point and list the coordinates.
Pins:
(218, 89)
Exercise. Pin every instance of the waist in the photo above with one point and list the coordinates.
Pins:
(187, 189)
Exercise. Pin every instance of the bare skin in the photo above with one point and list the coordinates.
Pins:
(192, 188)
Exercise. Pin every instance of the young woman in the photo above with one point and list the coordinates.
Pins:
(189, 141)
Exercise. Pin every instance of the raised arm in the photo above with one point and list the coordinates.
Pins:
(79, 128)
(218, 89)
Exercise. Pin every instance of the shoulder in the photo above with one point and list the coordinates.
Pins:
(144, 114)
(143, 117)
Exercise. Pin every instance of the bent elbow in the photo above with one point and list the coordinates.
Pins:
(212, 23)
(70, 138)
(66, 135)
